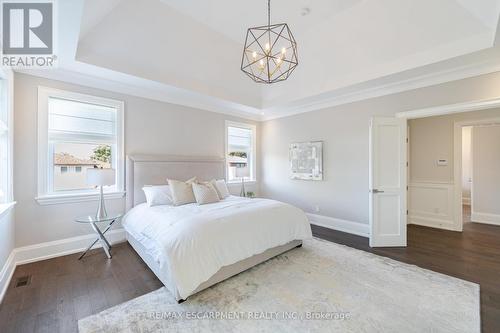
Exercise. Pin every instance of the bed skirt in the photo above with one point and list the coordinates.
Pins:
(222, 274)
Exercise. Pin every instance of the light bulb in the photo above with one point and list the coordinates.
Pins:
(261, 62)
(268, 46)
(278, 60)
(283, 50)
(254, 54)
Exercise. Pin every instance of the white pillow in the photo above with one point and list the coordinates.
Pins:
(182, 192)
(158, 195)
(221, 188)
(205, 193)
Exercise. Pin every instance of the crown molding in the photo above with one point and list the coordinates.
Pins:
(336, 99)
(134, 86)
(73, 71)
(139, 87)
(450, 109)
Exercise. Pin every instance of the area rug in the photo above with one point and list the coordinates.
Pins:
(321, 287)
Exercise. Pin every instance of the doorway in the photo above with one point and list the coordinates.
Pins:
(466, 173)
(478, 165)
(431, 192)
(454, 161)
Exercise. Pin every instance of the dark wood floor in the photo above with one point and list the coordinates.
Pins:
(472, 255)
(64, 289)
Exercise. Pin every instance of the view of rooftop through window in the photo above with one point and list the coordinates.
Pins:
(239, 150)
(81, 136)
(71, 161)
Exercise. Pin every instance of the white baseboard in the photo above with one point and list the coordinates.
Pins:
(48, 250)
(432, 222)
(485, 218)
(6, 274)
(58, 248)
(351, 227)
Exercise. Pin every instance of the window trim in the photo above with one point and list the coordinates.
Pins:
(253, 128)
(43, 196)
(7, 76)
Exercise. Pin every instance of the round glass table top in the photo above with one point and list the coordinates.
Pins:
(94, 219)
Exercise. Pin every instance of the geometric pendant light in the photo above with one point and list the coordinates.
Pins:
(270, 53)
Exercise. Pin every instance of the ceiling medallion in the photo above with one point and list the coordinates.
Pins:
(270, 53)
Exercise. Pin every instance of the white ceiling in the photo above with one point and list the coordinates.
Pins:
(379, 38)
(189, 52)
(149, 39)
(233, 17)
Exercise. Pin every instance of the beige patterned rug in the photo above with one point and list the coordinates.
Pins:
(321, 287)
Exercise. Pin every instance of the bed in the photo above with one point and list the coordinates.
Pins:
(192, 247)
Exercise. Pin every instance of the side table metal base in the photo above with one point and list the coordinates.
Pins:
(106, 246)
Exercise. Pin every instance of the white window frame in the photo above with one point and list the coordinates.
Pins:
(44, 196)
(253, 167)
(7, 98)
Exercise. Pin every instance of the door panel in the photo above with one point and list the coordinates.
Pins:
(388, 170)
(387, 173)
(385, 212)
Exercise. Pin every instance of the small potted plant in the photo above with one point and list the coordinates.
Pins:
(250, 194)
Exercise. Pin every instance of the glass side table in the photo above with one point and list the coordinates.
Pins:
(92, 220)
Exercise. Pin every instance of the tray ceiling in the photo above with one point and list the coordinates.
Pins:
(194, 48)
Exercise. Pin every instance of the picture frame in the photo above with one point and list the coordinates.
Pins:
(306, 160)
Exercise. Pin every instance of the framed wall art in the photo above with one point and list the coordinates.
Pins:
(306, 160)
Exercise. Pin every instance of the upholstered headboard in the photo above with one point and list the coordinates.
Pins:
(156, 169)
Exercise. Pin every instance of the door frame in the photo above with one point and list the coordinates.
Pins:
(457, 165)
(449, 109)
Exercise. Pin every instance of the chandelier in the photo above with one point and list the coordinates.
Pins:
(270, 53)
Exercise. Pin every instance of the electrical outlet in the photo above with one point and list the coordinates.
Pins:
(317, 209)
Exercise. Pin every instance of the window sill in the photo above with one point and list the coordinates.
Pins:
(5, 208)
(57, 199)
(238, 182)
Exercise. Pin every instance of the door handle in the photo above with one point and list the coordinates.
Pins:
(375, 191)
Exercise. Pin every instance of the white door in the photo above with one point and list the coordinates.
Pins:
(388, 172)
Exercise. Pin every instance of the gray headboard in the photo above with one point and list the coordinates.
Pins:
(156, 169)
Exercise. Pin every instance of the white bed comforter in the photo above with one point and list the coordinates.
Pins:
(196, 241)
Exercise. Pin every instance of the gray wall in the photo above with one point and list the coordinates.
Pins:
(432, 139)
(344, 130)
(151, 127)
(155, 127)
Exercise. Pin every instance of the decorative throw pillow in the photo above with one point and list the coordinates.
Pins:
(221, 188)
(205, 193)
(182, 192)
(157, 195)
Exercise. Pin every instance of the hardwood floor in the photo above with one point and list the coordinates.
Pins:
(64, 289)
(473, 255)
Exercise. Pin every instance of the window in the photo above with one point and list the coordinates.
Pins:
(5, 141)
(240, 150)
(77, 132)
